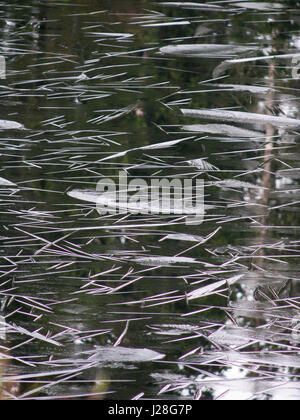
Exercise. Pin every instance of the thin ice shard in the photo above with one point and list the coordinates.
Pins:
(6, 182)
(227, 130)
(11, 125)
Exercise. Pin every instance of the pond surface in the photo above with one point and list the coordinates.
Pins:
(126, 305)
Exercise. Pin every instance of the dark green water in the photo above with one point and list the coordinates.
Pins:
(112, 307)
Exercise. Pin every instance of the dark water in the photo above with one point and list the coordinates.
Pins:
(125, 305)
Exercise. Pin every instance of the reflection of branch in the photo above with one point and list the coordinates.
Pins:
(268, 179)
(8, 390)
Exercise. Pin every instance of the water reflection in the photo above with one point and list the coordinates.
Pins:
(132, 306)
